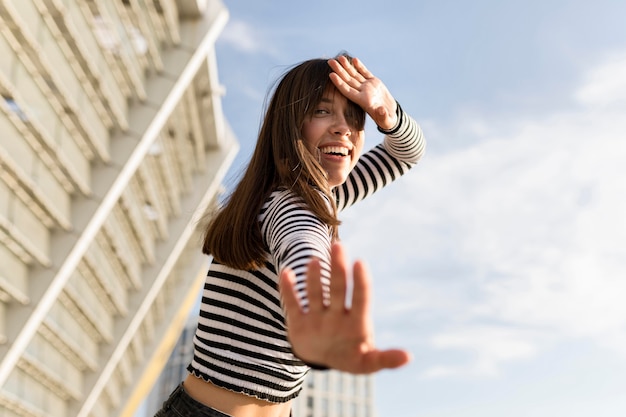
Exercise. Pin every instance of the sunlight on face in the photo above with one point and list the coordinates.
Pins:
(331, 138)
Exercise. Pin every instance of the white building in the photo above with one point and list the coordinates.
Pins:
(336, 394)
(113, 146)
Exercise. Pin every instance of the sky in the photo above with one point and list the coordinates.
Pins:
(499, 262)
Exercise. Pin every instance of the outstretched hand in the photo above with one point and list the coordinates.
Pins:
(329, 333)
(359, 85)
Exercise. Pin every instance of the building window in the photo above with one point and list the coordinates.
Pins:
(324, 381)
(15, 108)
(325, 408)
(339, 408)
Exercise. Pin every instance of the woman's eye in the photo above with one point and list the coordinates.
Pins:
(321, 111)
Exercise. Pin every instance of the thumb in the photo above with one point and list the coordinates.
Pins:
(385, 359)
(395, 358)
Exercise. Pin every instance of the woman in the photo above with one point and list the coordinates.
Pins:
(280, 224)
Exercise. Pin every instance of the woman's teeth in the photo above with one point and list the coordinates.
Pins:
(336, 150)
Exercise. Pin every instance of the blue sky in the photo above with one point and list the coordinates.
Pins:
(502, 262)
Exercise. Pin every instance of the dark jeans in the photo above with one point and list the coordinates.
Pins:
(180, 404)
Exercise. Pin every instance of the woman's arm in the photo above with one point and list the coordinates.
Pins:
(402, 146)
(294, 236)
(400, 150)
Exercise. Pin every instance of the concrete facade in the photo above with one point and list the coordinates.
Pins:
(113, 147)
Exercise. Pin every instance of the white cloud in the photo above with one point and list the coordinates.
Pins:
(526, 228)
(246, 38)
(606, 84)
(490, 345)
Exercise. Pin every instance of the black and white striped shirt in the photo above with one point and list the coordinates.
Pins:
(241, 342)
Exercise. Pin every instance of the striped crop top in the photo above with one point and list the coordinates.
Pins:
(241, 342)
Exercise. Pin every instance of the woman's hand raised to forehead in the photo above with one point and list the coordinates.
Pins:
(359, 85)
(329, 333)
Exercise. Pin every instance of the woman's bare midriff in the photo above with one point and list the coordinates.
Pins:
(232, 403)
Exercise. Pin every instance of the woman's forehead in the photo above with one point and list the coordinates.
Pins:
(331, 94)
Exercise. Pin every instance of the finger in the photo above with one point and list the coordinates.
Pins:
(291, 303)
(343, 87)
(361, 292)
(349, 67)
(335, 65)
(344, 69)
(377, 360)
(338, 69)
(361, 68)
(314, 286)
(338, 277)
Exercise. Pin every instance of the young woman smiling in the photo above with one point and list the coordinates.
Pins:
(275, 238)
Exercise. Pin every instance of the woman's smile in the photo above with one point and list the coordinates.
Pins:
(329, 136)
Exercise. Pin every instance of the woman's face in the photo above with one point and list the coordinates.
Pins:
(331, 139)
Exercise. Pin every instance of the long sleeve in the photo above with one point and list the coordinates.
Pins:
(241, 342)
(294, 235)
(401, 149)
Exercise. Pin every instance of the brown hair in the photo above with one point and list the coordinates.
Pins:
(280, 159)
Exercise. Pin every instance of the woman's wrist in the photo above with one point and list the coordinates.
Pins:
(394, 129)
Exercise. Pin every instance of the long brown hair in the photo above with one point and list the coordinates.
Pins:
(280, 159)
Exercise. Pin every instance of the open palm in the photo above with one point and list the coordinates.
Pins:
(359, 85)
(328, 333)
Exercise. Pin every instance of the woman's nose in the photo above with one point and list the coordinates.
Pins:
(341, 126)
